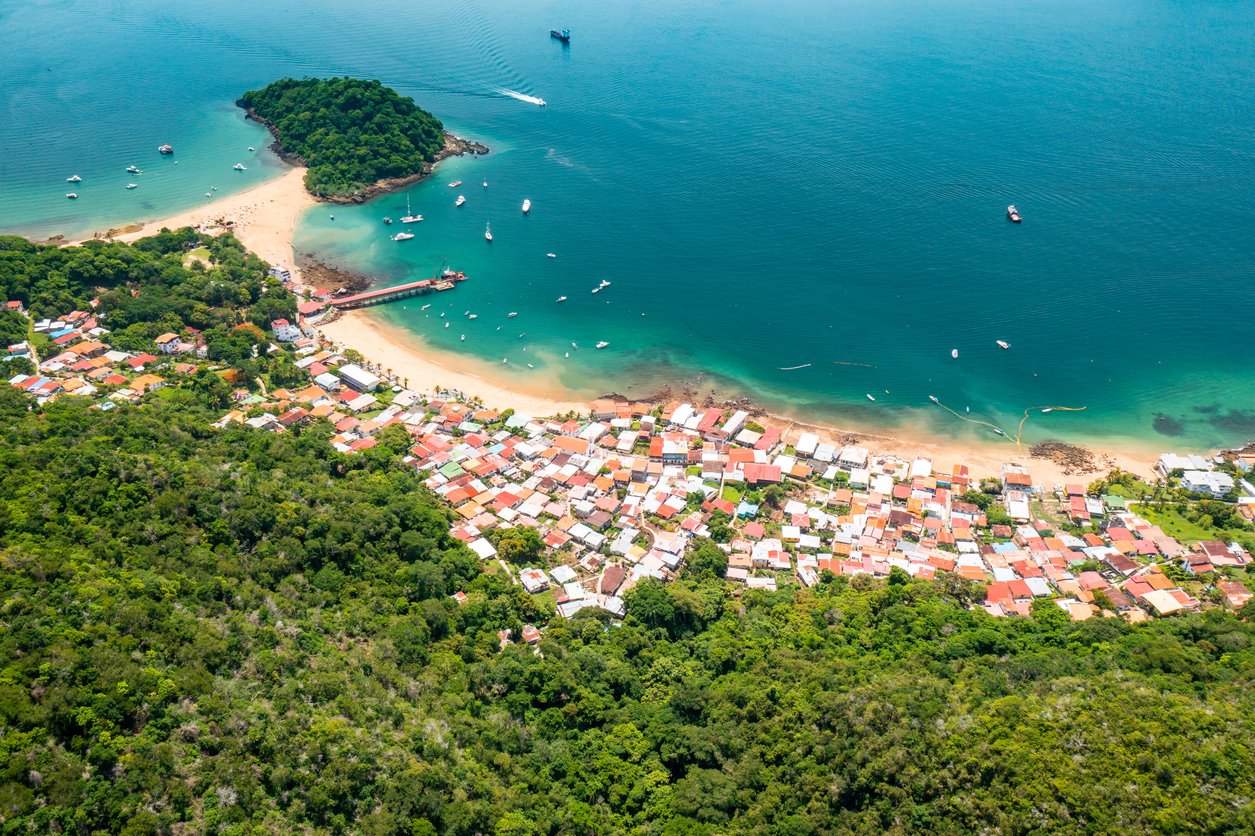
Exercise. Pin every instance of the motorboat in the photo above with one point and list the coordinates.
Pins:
(474, 315)
(446, 325)
(602, 344)
(251, 148)
(425, 307)
(933, 398)
(463, 338)
(71, 195)
(130, 169)
(870, 398)
(551, 255)
(403, 236)
(485, 184)
(333, 217)
(561, 298)
(410, 218)
(954, 352)
(521, 337)
(460, 200)
(165, 149)
(1003, 345)
(442, 314)
(239, 167)
(1013, 215)
(503, 360)
(488, 232)
(214, 189)
(527, 206)
(595, 289)
(513, 313)
(530, 366)
(1048, 409)
(387, 220)
(210, 194)
(573, 345)
(604, 283)
(455, 184)
(132, 185)
(498, 327)
(466, 313)
(77, 179)
(568, 354)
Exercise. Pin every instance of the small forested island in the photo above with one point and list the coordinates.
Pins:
(358, 138)
(208, 626)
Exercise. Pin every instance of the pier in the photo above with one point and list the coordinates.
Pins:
(388, 294)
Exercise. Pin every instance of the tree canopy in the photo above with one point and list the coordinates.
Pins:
(350, 132)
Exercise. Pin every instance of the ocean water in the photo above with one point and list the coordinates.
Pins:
(765, 186)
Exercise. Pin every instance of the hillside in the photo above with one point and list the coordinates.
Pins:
(350, 132)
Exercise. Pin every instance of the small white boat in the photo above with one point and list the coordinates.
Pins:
(459, 201)
(503, 360)
(466, 313)
(425, 307)
(604, 283)
(561, 298)
(870, 398)
(251, 148)
(77, 179)
(132, 185)
(333, 217)
(527, 206)
(488, 232)
(540, 103)
(485, 184)
(1048, 409)
(71, 195)
(130, 169)
(521, 337)
(446, 325)
(239, 167)
(551, 255)
(474, 315)
(463, 338)
(512, 313)
(1003, 345)
(214, 189)
(210, 194)
(573, 345)
(602, 344)
(403, 236)
(568, 354)
(530, 366)
(933, 398)
(595, 289)
(954, 352)
(442, 314)
(455, 184)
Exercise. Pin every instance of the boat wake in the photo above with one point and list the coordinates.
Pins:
(522, 97)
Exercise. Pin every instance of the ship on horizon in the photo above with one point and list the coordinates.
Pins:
(563, 35)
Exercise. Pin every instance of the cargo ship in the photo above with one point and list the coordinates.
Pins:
(563, 35)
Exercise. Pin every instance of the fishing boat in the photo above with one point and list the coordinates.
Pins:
(563, 35)
(561, 298)
(387, 220)
(1013, 215)
(551, 255)
(527, 206)
(1003, 345)
(165, 149)
(130, 169)
(239, 167)
(602, 344)
(455, 184)
(512, 313)
(410, 218)
(460, 201)
(954, 352)
(488, 232)
(870, 398)
(403, 236)
(71, 195)
(77, 179)
(132, 185)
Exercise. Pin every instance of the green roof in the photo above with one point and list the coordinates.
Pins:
(1114, 500)
(451, 470)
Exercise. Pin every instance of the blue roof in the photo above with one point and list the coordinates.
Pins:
(746, 509)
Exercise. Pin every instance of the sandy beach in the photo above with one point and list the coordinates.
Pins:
(264, 218)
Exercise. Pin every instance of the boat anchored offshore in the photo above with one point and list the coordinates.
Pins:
(409, 218)
(455, 184)
(132, 185)
(130, 169)
(561, 298)
(460, 200)
(551, 255)
(1003, 345)
(563, 35)
(527, 206)
(1013, 215)
(513, 313)
(488, 232)
(602, 344)
(387, 220)
(165, 149)
(954, 352)
(595, 289)
(77, 179)
(239, 167)
(71, 195)
(403, 236)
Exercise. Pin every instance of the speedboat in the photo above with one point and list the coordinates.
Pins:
(527, 206)
(251, 148)
(602, 344)
(455, 184)
(998, 431)
(870, 398)
(488, 232)
(530, 366)
(210, 194)
(165, 149)
(513, 313)
(77, 179)
(387, 220)
(573, 345)
(1048, 409)
(1013, 215)
(595, 289)
(442, 314)
(474, 315)
(933, 398)
(446, 325)
(604, 283)
(540, 102)
(568, 354)
(551, 255)
(485, 184)
(954, 352)
(521, 337)
(214, 189)
(239, 167)
(460, 201)
(71, 195)
(1001, 344)
(463, 338)
(132, 185)
(130, 169)
(466, 313)
(561, 298)
(425, 307)
(403, 236)
(498, 327)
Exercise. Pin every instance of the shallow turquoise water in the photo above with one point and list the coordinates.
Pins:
(771, 186)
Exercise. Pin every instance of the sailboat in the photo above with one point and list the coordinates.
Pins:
(409, 218)
(488, 232)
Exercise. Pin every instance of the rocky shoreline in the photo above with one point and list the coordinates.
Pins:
(454, 146)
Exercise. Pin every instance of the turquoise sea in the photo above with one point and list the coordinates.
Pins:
(770, 185)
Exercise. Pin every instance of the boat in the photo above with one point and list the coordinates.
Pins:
(540, 102)
(488, 232)
(130, 169)
(498, 327)
(568, 354)
(521, 337)
(71, 195)
(551, 255)
(239, 167)
(573, 345)
(530, 366)
(870, 398)
(387, 220)
(1013, 215)
(604, 283)
(463, 338)
(474, 315)
(998, 431)
(333, 217)
(595, 289)
(933, 398)
(210, 194)
(410, 218)
(403, 236)
(132, 185)
(503, 360)
(251, 148)
(455, 184)
(425, 307)
(446, 325)
(485, 184)
(1048, 409)
(442, 314)
(1001, 344)
(563, 35)
(460, 200)
(561, 298)
(602, 344)
(214, 189)
(165, 149)
(954, 352)
(513, 313)
(527, 206)
(77, 179)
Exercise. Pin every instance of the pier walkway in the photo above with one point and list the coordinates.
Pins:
(388, 294)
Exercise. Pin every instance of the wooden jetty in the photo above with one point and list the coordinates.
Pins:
(389, 294)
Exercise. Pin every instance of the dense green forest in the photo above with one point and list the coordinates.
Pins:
(252, 633)
(350, 132)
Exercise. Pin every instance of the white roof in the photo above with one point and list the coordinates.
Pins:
(563, 574)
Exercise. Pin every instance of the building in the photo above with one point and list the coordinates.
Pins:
(358, 378)
(167, 343)
(1214, 483)
(1169, 462)
(285, 332)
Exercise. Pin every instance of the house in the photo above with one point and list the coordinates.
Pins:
(167, 343)
(285, 332)
(1214, 483)
(138, 363)
(358, 378)
(15, 306)
(146, 383)
(294, 417)
(1169, 462)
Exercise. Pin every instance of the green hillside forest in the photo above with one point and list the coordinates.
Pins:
(350, 132)
(238, 632)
